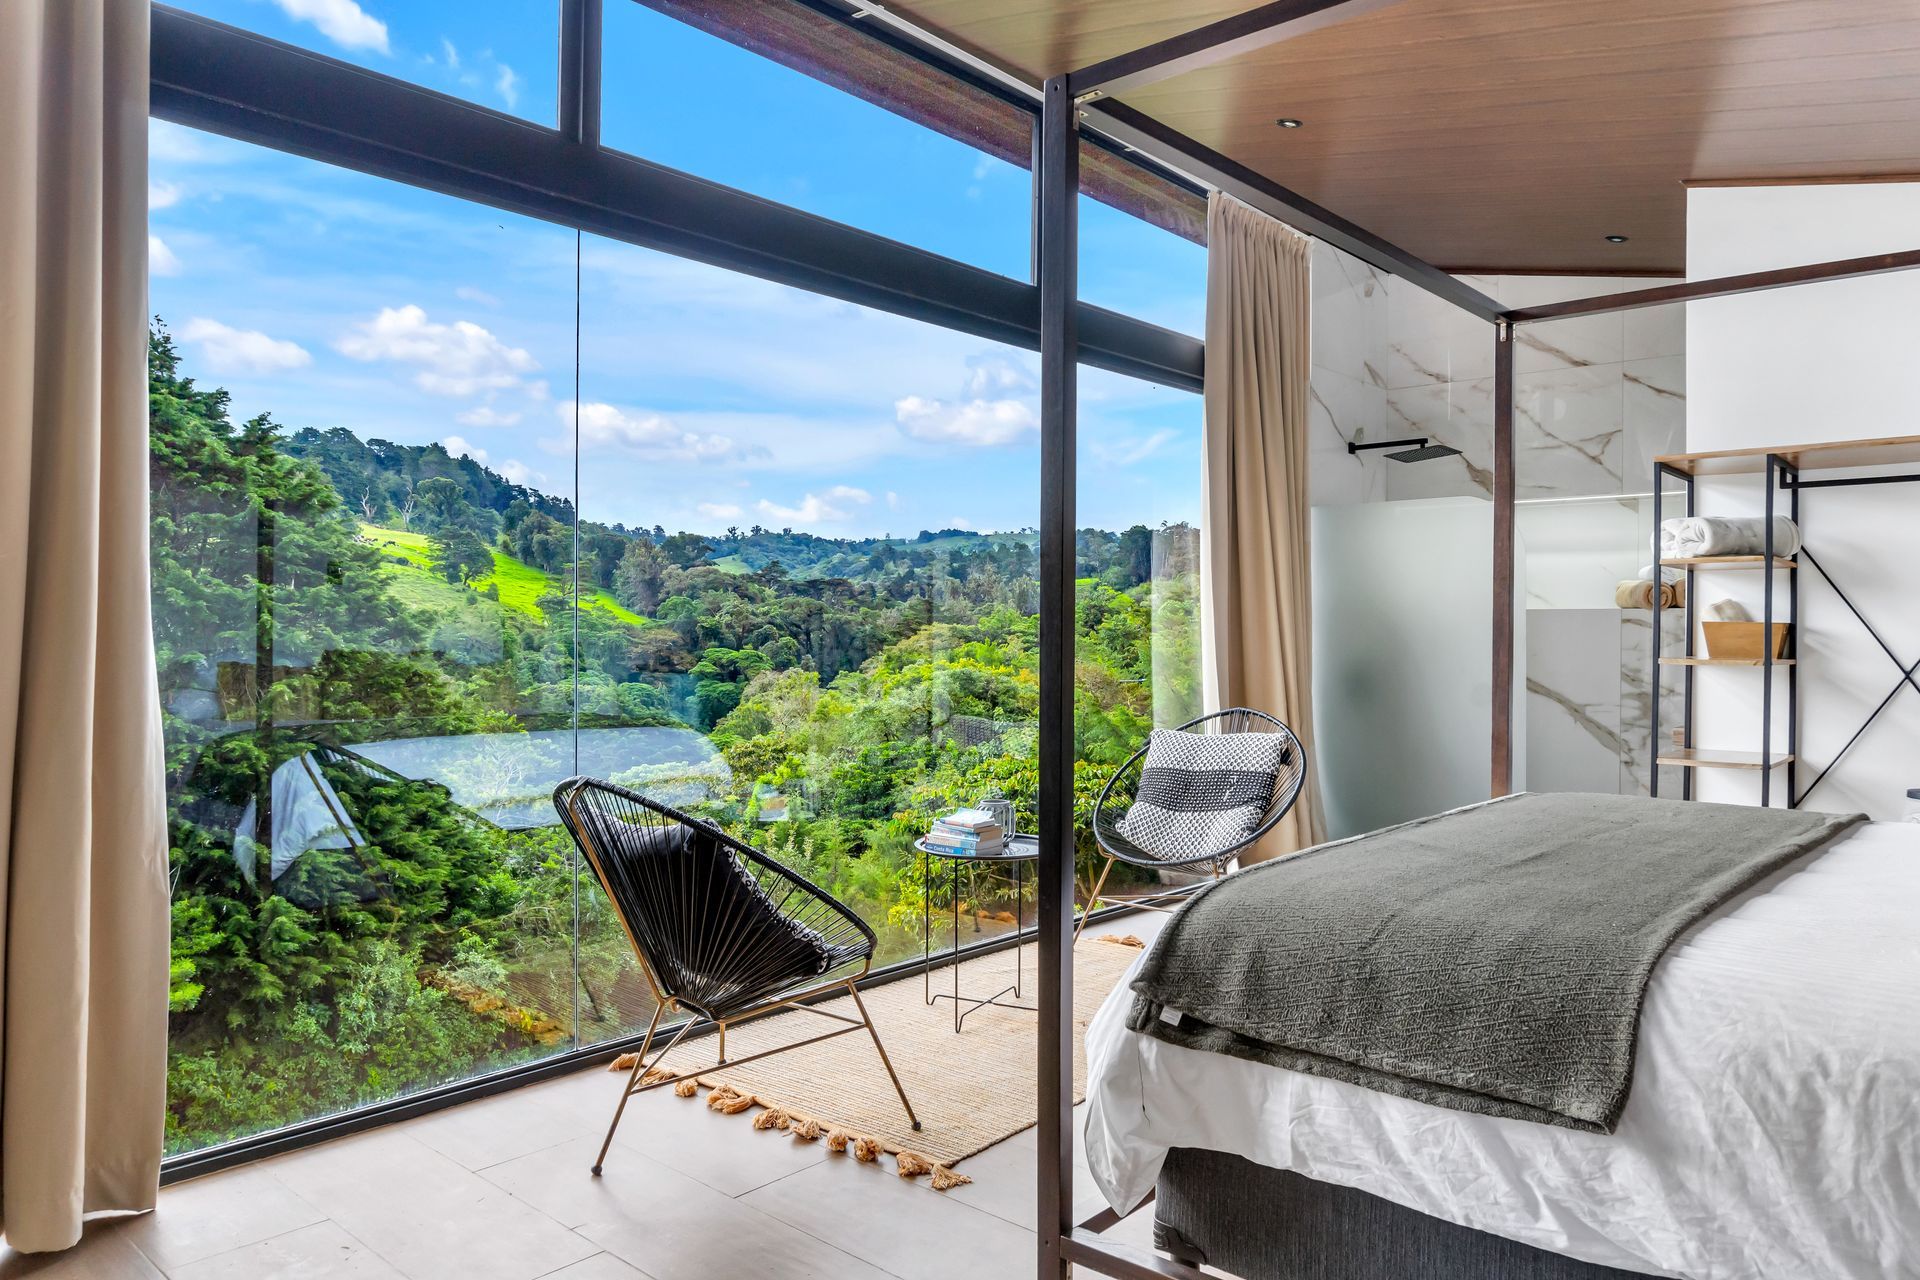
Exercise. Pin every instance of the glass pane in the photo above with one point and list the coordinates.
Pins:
(1595, 400)
(503, 54)
(1137, 618)
(681, 97)
(365, 664)
(1131, 266)
(1402, 598)
(813, 527)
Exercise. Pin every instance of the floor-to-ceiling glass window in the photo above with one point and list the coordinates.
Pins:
(450, 505)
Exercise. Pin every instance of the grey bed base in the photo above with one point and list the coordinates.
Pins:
(1223, 1211)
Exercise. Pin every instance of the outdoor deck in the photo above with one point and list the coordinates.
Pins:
(498, 1190)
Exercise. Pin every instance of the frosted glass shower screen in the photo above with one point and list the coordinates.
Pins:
(1402, 639)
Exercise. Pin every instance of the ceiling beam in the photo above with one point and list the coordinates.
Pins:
(1138, 130)
(1215, 42)
(1719, 287)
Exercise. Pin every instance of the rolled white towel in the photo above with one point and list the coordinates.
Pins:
(1666, 574)
(1728, 611)
(1687, 536)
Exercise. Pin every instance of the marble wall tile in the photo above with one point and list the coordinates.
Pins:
(1636, 703)
(1349, 316)
(1564, 344)
(1653, 415)
(1341, 409)
(1655, 331)
(1457, 414)
(1567, 432)
(1573, 700)
(1430, 340)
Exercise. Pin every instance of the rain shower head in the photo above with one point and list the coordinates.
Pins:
(1418, 449)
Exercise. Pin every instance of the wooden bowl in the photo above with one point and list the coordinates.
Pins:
(1740, 641)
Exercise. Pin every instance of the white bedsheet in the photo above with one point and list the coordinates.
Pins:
(1772, 1132)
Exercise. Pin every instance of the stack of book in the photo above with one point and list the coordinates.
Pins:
(968, 833)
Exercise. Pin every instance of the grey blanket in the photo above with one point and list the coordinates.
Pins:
(1491, 959)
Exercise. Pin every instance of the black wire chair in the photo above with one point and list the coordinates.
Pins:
(1115, 798)
(720, 929)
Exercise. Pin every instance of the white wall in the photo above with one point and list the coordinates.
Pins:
(1831, 361)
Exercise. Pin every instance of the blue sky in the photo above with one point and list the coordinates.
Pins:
(706, 398)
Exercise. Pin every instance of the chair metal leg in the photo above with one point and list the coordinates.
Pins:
(640, 1069)
(1092, 898)
(723, 1044)
(885, 1061)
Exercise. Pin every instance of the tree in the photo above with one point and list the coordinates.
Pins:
(460, 554)
(638, 579)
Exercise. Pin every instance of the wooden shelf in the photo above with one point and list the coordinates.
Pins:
(1726, 562)
(1694, 758)
(1886, 451)
(1723, 662)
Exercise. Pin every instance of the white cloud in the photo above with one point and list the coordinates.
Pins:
(459, 359)
(650, 435)
(467, 293)
(817, 508)
(995, 408)
(160, 259)
(969, 422)
(453, 54)
(718, 510)
(341, 21)
(230, 350)
(161, 195)
(487, 416)
(458, 447)
(507, 85)
(518, 472)
(893, 500)
(1125, 453)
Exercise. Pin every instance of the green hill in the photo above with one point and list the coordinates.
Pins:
(520, 585)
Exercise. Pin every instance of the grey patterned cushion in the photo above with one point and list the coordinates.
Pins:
(1203, 792)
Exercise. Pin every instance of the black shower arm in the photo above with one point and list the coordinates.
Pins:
(1419, 442)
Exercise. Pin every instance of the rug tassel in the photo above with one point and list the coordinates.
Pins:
(658, 1075)
(625, 1062)
(729, 1101)
(945, 1179)
(772, 1118)
(1120, 939)
(837, 1140)
(913, 1165)
(685, 1087)
(866, 1150)
(807, 1129)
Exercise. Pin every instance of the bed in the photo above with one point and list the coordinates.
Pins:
(1771, 1132)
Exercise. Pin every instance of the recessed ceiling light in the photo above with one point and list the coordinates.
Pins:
(1287, 122)
(1616, 239)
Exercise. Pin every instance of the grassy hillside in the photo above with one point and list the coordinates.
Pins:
(520, 585)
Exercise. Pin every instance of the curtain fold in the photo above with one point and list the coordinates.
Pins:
(1256, 599)
(83, 851)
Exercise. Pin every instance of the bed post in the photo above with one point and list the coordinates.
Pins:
(1059, 185)
(1503, 550)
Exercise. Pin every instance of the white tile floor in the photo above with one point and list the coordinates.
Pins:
(499, 1190)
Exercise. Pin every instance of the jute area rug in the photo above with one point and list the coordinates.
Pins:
(970, 1089)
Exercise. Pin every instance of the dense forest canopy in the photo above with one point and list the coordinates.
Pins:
(350, 924)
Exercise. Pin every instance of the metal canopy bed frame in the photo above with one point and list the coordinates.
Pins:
(219, 78)
(1082, 99)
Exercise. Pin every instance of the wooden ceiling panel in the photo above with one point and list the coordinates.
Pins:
(1515, 135)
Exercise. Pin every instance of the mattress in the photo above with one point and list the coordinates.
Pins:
(1773, 1128)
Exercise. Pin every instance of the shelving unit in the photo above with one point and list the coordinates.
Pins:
(1781, 471)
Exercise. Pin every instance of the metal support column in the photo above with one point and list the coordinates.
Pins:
(1503, 552)
(1769, 575)
(1059, 182)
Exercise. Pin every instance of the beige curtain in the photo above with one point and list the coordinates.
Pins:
(1256, 600)
(83, 858)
